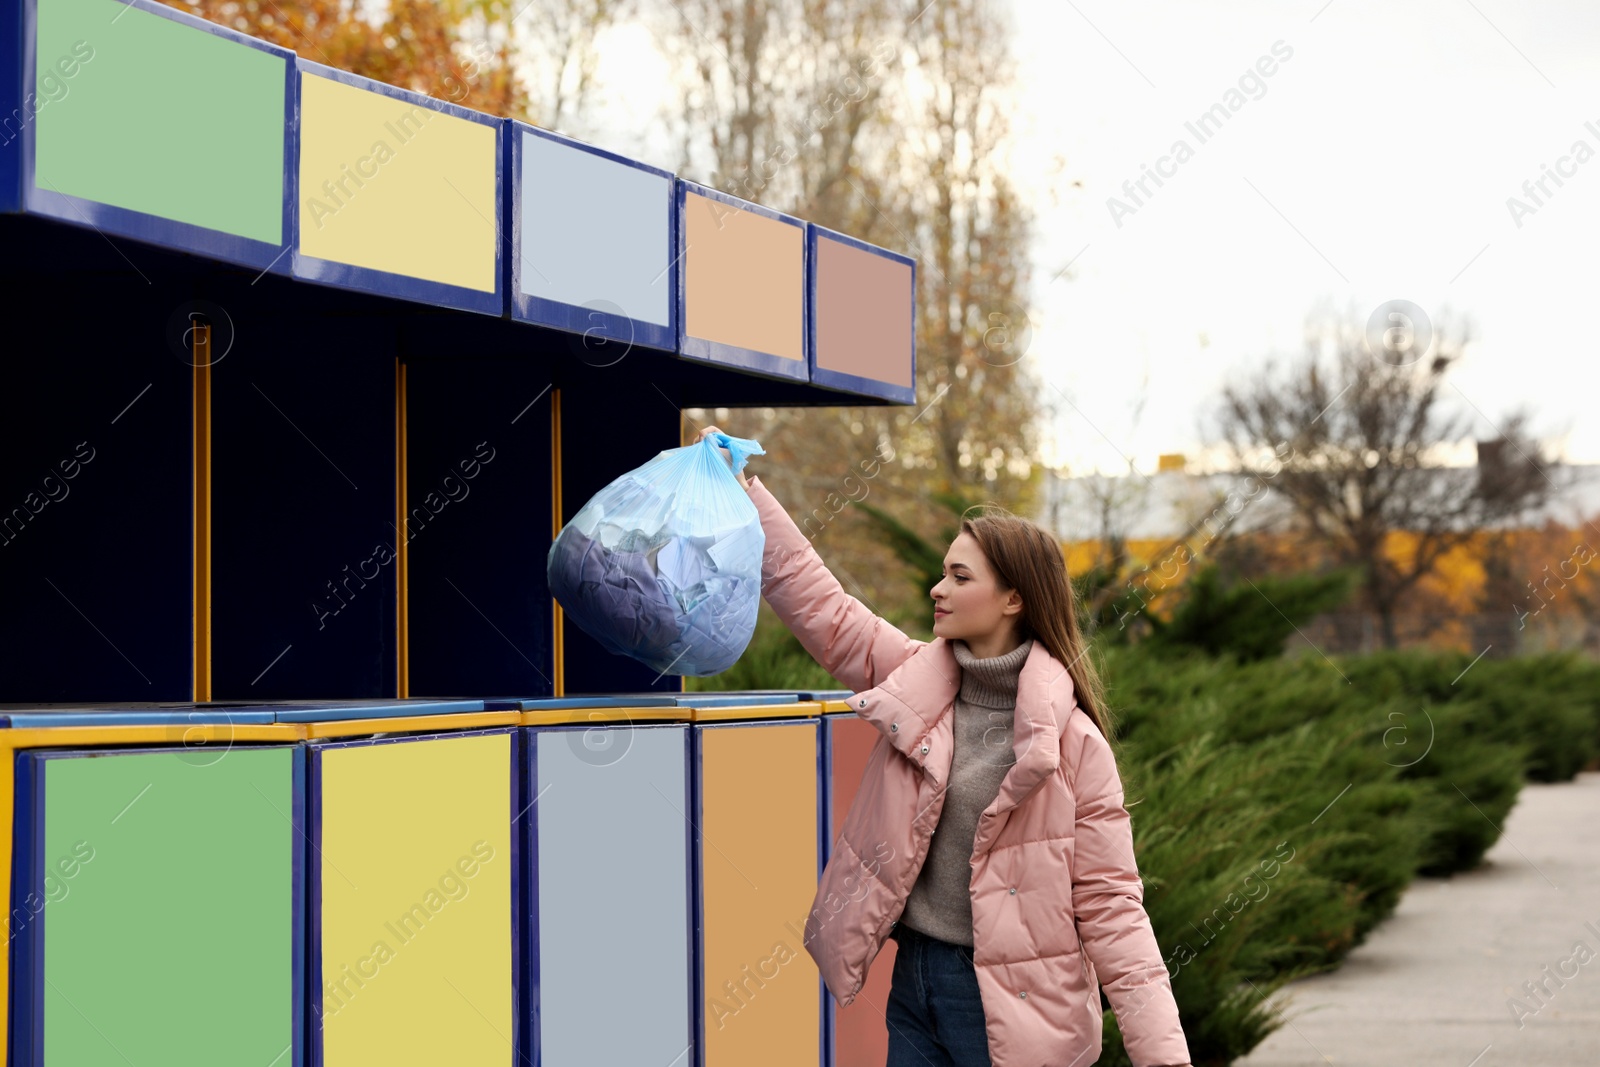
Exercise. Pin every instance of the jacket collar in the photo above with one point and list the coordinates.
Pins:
(912, 708)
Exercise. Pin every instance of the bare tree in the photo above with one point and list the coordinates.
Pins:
(1356, 450)
(556, 44)
(867, 117)
(888, 120)
(781, 101)
(973, 234)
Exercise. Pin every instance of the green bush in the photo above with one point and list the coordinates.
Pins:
(1317, 745)
(1247, 620)
(1374, 769)
(1547, 705)
(1551, 702)
(1212, 802)
(1355, 766)
(1473, 779)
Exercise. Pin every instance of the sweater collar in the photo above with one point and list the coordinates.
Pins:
(990, 682)
(912, 708)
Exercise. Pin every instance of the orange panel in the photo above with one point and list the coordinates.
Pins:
(743, 279)
(759, 874)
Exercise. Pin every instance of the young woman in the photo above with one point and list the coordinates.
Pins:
(988, 837)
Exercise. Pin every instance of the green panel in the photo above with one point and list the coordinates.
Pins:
(173, 943)
(158, 117)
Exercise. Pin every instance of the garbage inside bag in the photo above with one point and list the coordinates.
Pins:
(664, 564)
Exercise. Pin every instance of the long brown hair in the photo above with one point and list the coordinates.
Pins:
(1027, 557)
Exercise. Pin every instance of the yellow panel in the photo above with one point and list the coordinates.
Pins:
(759, 876)
(396, 187)
(416, 903)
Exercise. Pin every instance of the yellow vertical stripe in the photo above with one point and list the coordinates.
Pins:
(558, 642)
(685, 438)
(7, 770)
(202, 513)
(402, 637)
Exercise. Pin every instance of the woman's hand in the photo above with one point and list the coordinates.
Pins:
(708, 431)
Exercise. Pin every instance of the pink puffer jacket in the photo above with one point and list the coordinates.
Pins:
(1057, 904)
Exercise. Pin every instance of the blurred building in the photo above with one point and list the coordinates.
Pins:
(1525, 585)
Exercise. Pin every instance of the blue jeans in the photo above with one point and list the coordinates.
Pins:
(935, 1013)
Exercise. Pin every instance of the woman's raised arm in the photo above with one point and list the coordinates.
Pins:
(849, 640)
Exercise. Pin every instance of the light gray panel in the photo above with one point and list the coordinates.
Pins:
(613, 889)
(593, 230)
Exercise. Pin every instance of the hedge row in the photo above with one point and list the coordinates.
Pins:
(1281, 807)
(1345, 779)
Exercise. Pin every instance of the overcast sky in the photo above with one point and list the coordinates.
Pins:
(1373, 164)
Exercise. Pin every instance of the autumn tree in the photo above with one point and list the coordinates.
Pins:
(1353, 440)
(532, 60)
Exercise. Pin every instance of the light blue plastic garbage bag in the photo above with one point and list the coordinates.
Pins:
(664, 564)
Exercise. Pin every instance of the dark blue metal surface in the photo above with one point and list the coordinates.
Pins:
(479, 500)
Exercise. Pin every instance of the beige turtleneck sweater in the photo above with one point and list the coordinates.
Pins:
(940, 904)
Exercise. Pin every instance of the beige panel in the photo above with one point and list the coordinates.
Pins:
(744, 278)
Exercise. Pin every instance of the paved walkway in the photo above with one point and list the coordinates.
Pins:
(1442, 981)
